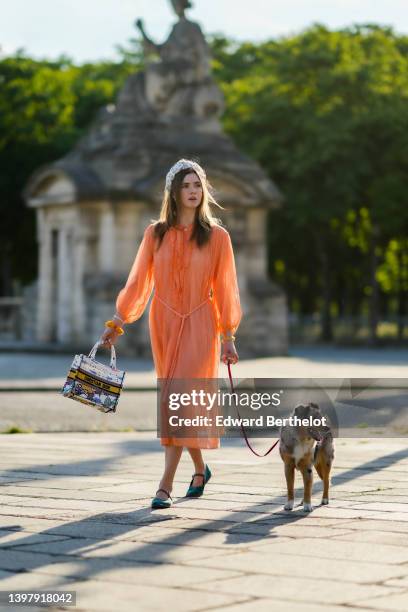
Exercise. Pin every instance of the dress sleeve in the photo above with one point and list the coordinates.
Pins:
(133, 298)
(225, 287)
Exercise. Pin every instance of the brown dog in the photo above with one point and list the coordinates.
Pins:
(302, 446)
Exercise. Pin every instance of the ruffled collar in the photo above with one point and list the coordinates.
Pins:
(183, 227)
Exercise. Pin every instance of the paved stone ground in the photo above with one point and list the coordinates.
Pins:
(75, 515)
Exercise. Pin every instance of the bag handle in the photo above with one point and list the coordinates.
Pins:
(95, 347)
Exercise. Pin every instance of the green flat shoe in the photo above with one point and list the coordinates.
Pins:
(158, 503)
(198, 491)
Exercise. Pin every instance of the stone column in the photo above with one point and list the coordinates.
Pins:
(264, 329)
(64, 288)
(78, 296)
(256, 245)
(45, 289)
(106, 251)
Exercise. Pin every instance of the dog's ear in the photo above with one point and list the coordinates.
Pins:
(314, 409)
(301, 411)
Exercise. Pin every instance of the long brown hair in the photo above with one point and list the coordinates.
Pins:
(204, 220)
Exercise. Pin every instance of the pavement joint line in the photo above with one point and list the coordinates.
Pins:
(222, 606)
(172, 544)
(9, 505)
(102, 501)
(291, 576)
(226, 605)
(122, 581)
(299, 601)
(272, 600)
(71, 556)
(167, 586)
(239, 573)
(296, 554)
(16, 546)
(399, 592)
(62, 537)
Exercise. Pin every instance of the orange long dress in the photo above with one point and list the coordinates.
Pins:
(196, 298)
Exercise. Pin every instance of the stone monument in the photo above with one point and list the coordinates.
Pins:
(94, 204)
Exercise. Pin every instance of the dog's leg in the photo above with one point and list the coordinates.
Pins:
(307, 473)
(317, 464)
(290, 483)
(323, 465)
(326, 466)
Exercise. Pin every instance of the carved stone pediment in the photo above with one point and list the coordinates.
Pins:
(62, 183)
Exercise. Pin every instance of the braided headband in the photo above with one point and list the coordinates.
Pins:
(184, 164)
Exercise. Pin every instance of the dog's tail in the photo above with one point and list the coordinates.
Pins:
(323, 458)
(316, 463)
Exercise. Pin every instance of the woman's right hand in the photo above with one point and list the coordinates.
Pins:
(108, 337)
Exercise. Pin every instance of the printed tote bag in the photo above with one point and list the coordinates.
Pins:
(94, 383)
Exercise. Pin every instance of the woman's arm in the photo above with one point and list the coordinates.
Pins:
(226, 296)
(134, 296)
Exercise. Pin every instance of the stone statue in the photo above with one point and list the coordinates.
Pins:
(178, 81)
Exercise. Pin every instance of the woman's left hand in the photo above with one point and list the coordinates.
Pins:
(229, 352)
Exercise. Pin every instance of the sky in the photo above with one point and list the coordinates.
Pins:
(88, 30)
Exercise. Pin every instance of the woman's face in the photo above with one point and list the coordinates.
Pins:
(191, 191)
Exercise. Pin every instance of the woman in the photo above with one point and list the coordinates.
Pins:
(187, 256)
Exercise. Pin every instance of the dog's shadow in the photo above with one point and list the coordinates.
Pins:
(265, 527)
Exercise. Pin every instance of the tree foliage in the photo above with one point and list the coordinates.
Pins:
(45, 106)
(325, 113)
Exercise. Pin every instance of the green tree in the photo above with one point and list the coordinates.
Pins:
(318, 111)
(45, 106)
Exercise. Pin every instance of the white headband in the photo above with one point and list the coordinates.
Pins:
(184, 164)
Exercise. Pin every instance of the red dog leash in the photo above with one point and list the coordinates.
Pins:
(242, 427)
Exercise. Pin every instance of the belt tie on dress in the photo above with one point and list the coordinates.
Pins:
(183, 317)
